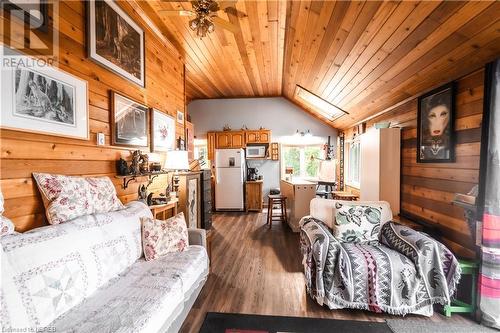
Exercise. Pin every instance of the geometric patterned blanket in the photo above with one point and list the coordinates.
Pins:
(404, 272)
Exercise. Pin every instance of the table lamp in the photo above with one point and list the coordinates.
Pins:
(177, 160)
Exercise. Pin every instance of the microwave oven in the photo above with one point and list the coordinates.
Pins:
(256, 151)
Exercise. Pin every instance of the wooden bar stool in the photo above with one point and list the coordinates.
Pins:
(279, 200)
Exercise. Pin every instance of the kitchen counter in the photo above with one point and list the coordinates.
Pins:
(299, 193)
(298, 181)
(254, 181)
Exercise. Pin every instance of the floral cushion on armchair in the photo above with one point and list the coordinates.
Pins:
(68, 197)
(357, 223)
(162, 237)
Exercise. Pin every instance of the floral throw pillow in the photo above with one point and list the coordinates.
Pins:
(67, 197)
(6, 225)
(162, 237)
(357, 223)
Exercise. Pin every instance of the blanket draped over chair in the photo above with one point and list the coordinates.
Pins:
(405, 272)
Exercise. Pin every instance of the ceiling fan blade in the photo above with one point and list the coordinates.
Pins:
(167, 12)
(225, 24)
(235, 12)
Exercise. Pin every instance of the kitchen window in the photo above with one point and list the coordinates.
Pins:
(353, 161)
(303, 159)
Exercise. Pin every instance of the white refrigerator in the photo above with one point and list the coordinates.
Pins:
(229, 179)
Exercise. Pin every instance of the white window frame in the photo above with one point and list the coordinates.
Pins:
(302, 160)
(349, 181)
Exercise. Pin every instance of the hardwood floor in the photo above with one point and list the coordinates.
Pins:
(257, 270)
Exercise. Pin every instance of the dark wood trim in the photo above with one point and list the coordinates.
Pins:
(485, 126)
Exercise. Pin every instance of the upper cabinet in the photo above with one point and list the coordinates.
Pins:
(211, 145)
(258, 136)
(236, 139)
(223, 140)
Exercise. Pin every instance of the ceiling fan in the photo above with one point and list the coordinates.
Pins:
(205, 15)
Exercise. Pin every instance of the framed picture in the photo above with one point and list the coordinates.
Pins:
(181, 144)
(162, 131)
(44, 100)
(33, 12)
(435, 126)
(193, 203)
(129, 122)
(180, 117)
(115, 41)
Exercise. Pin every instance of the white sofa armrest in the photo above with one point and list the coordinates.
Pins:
(197, 237)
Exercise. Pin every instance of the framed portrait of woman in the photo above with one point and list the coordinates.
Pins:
(435, 125)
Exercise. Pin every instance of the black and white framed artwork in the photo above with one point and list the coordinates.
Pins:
(129, 122)
(115, 41)
(44, 100)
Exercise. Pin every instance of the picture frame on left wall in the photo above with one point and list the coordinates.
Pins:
(44, 100)
(129, 122)
(115, 41)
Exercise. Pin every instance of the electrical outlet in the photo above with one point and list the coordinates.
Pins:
(101, 139)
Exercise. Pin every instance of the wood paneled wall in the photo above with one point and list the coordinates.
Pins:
(23, 153)
(427, 190)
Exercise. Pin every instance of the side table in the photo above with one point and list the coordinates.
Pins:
(163, 208)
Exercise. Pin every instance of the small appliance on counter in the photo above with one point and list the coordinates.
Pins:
(252, 174)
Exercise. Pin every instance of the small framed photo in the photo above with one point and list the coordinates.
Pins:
(162, 131)
(181, 143)
(180, 117)
(44, 100)
(435, 126)
(115, 41)
(129, 122)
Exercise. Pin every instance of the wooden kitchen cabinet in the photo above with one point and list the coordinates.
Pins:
(211, 145)
(258, 136)
(253, 195)
(223, 140)
(237, 139)
(230, 139)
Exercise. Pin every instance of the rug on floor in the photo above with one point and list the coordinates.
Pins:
(427, 326)
(216, 322)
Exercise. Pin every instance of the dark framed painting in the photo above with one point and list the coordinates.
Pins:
(129, 122)
(44, 100)
(115, 41)
(34, 12)
(162, 131)
(435, 125)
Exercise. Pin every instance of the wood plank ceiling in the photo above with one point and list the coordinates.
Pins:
(363, 56)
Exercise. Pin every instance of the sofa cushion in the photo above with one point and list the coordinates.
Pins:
(140, 299)
(325, 209)
(48, 270)
(162, 237)
(68, 197)
(357, 223)
(6, 225)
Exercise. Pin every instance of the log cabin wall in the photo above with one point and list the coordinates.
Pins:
(23, 153)
(427, 189)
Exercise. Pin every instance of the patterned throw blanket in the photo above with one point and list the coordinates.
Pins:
(404, 272)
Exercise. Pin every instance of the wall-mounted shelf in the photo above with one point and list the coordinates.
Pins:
(151, 175)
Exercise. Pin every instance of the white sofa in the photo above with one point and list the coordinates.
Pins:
(89, 275)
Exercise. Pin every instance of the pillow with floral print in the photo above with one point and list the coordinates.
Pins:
(6, 225)
(357, 223)
(67, 197)
(162, 237)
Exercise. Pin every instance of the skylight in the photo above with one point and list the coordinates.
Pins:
(318, 104)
